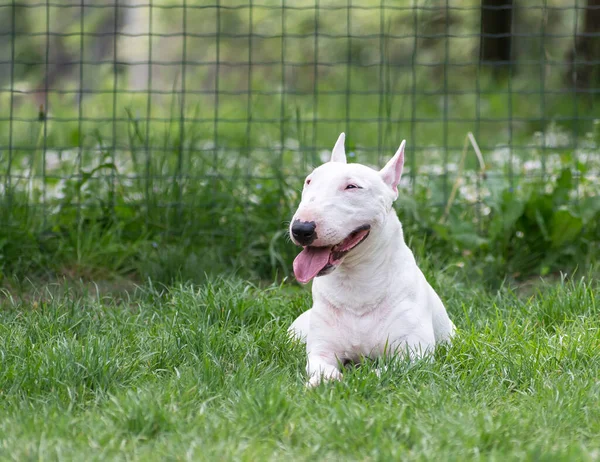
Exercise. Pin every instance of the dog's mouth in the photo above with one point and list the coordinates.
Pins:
(319, 261)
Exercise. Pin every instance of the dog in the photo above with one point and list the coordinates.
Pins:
(370, 299)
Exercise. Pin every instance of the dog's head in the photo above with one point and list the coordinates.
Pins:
(341, 205)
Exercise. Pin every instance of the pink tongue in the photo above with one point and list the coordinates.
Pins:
(309, 262)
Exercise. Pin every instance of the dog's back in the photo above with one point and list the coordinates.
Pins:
(443, 327)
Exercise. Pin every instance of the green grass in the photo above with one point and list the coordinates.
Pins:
(153, 187)
(207, 372)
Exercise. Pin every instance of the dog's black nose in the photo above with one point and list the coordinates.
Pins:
(304, 232)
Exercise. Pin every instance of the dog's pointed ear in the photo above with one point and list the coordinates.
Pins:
(339, 152)
(392, 171)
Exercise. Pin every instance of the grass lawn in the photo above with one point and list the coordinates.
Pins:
(206, 372)
(199, 176)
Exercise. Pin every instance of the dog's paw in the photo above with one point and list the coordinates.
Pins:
(317, 379)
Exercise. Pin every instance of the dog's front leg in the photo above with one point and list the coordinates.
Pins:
(322, 366)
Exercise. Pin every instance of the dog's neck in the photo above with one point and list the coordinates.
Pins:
(367, 270)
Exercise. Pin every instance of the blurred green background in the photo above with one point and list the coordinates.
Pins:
(170, 139)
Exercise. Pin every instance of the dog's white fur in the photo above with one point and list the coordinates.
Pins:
(377, 301)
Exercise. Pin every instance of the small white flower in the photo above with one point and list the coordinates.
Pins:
(469, 192)
(432, 169)
(530, 165)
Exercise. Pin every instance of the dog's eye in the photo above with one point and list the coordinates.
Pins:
(352, 186)
(308, 181)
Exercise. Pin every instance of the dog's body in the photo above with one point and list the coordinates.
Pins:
(369, 300)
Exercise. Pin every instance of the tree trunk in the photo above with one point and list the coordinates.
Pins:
(496, 33)
(585, 55)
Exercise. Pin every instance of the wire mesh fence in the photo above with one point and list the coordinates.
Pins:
(175, 115)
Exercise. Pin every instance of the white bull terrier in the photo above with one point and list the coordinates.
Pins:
(369, 297)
